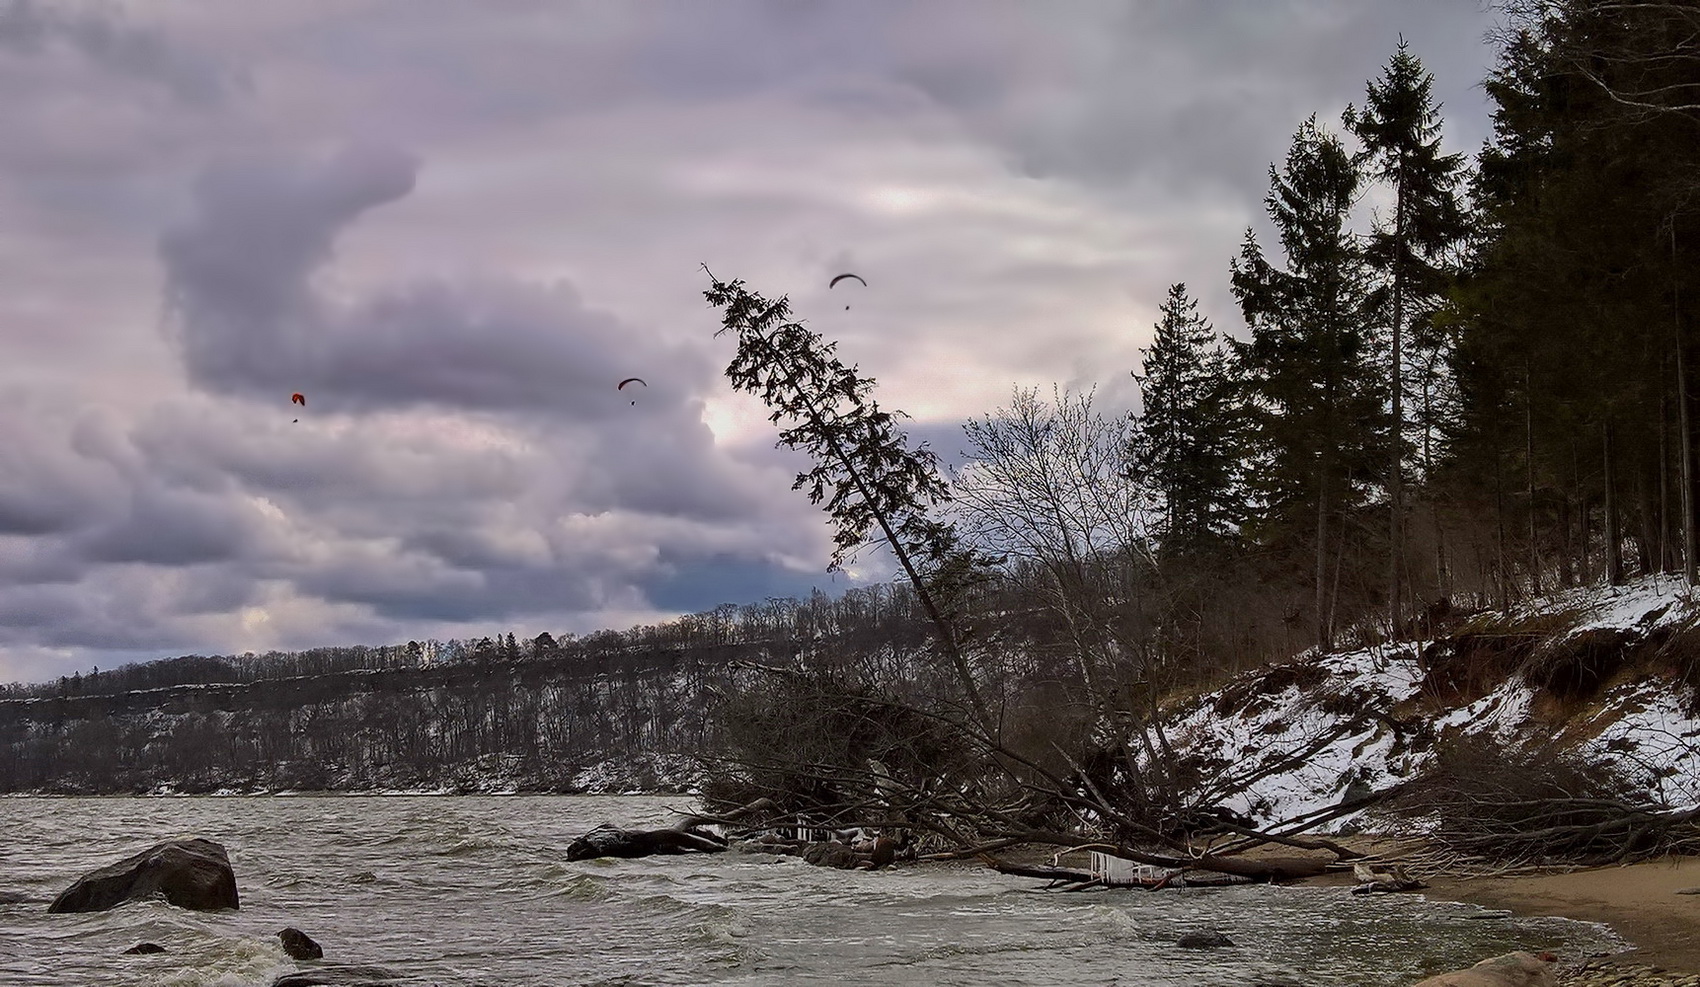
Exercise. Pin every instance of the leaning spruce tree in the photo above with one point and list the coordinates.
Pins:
(864, 469)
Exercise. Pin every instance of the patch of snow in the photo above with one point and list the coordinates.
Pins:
(1641, 603)
(1652, 740)
(1391, 673)
(1505, 711)
(1279, 738)
(1284, 739)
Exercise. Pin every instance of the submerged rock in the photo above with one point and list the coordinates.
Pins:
(299, 945)
(340, 976)
(143, 948)
(192, 874)
(1204, 940)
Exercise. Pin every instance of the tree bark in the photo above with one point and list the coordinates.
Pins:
(1395, 485)
(1529, 470)
(1324, 637)
(1614, 561)
(1684, 432)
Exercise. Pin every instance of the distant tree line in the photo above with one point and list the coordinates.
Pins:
(860, 616)
(493, 712)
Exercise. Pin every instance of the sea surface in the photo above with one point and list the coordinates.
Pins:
(470, 890)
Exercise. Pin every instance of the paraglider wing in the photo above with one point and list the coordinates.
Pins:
(841, 277)
(298, 398)
(629, 380)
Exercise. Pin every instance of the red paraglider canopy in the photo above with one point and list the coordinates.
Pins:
(298, 398)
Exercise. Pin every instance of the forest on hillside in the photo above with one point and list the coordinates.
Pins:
(1463, 381)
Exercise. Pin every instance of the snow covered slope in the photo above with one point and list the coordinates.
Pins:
(1605, 672)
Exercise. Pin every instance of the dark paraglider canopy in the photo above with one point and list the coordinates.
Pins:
(834, 283)
(631, 380)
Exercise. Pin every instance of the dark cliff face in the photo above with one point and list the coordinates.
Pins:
(475, 726)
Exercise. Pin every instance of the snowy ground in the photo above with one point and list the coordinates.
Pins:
(1640, 723)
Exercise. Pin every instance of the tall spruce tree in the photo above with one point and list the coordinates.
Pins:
(1184, 441)
(1314, 398)
(1410, 249)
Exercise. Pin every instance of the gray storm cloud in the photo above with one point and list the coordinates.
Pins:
(101, 35)
(250, 321)
(1021, 181)
(238, 275)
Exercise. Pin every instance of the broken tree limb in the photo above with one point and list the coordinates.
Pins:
(1066, 877)
(690, 821)
(1254, 837)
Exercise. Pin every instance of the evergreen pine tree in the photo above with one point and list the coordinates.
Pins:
(1400, 130)
(1314, 399)
(1184, 438)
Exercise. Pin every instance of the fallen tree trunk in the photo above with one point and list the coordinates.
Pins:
(1072, 879)
(1258, 868)
(683, 836)
(612, 841)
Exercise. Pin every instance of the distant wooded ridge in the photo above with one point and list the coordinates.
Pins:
(489, 714)
(862, 614)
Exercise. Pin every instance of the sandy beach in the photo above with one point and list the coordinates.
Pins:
(1640, 901)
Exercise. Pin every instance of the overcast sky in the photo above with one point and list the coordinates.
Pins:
(456, 225)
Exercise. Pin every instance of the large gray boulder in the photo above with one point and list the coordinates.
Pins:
(299, 945)
(192, 874)
(1510, 970)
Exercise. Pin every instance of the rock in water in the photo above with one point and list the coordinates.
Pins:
(340, 976)
(143, 948)
(830, 855)
(192, 874)
(883, 854)
(1510, 970)
(1204, 940)
(300, 946)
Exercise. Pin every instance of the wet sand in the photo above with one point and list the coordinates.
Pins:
(1638, 901)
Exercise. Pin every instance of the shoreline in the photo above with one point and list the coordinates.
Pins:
(1640, 902)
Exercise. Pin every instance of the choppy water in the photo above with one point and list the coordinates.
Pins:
(459, 890)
